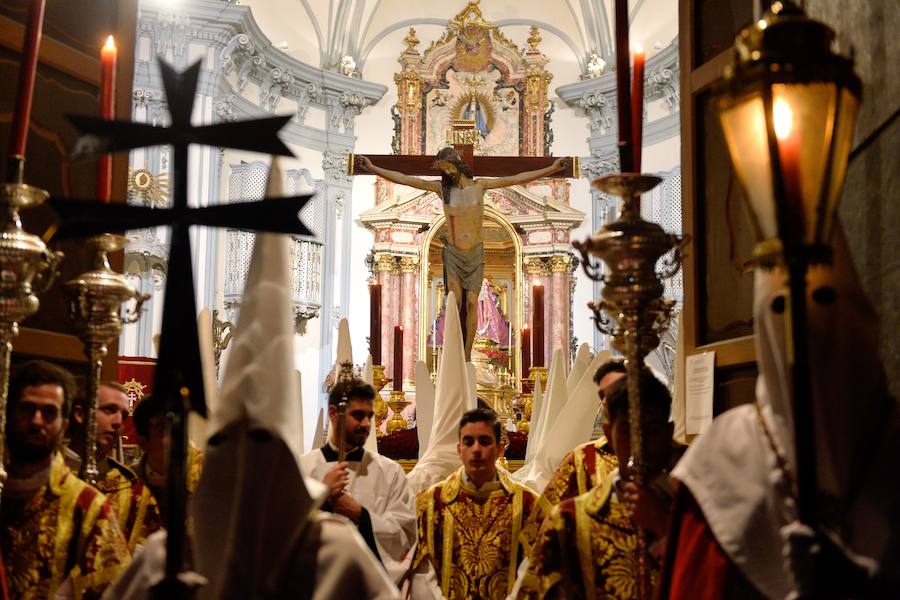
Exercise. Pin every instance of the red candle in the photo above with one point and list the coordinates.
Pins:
(27, 71)
(789, 156)
(525, 341)
(398, 357)
(375, 323)
(637, 107)
(537, 307)
(623, 87)
(107, 111)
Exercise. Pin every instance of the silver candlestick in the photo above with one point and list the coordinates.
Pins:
(27, 268)
(95, 301)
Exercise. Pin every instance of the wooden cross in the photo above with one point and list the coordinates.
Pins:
(482, 166)
(178, 380)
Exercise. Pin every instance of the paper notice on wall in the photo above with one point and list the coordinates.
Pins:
(699, 384)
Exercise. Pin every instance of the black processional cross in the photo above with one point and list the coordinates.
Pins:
(178, 380)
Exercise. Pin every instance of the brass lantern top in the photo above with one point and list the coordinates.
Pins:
(788, 107)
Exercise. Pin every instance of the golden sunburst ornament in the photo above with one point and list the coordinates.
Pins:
(150, 189)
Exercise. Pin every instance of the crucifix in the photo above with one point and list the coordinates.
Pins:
(178, 377)
(463, 196)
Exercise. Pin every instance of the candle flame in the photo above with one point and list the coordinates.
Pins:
(110, 43)
(783, 117)
(638, 49)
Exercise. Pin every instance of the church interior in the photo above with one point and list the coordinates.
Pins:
(710, 207)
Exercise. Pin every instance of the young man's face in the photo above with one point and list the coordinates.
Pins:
(357, 422)
(606, 381)
(112, 409)
(478, 450)
(36, 423)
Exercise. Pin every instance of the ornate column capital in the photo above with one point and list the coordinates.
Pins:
(409, 264)
(335, 166)
(384, 262)
(537, 265)
(561, 263)
(600, 165)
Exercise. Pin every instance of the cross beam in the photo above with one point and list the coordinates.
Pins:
(483, 166)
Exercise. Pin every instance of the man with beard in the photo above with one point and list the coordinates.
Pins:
(463, 197)
(366, 488)
(58, 535)
(135, 506)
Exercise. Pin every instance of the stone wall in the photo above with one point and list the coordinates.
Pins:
(870, 209)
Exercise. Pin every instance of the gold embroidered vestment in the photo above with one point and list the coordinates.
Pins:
(586, 549)
(585, 467)
(66, 530)
(471, 537)
(136, 508)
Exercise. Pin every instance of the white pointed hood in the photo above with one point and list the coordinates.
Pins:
(572, 427)
(534, 426)
(371, 444)
(319, 435)
(344, 347)
(252, 494)
(554, 398)
(424, 406)
(450, 401)
(579, 366)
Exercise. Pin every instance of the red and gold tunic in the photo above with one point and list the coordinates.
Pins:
(68, 530)
(585, 467)
(136, 508)
(470, 536)
(587, 548)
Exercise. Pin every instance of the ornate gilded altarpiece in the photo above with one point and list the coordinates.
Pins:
(473, 72)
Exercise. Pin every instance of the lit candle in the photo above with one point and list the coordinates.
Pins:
(108, 112)
(27, 71)
(537, 307)
(637, 107)
(375, 323)
(623, 88)
(525, 341)
(398, 357)
(788, 155)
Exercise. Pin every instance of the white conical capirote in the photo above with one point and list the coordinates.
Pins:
(344, 347)
(555, 397)
(450, 401)
(371, 444)
(534, 426)
(579, 366)
(424, 405)
(572, 427)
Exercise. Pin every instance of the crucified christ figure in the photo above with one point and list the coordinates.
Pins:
(463, 197)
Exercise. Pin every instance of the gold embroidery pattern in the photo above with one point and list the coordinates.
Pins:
(596, 528)
(136, 509)
(66, 529)
(476, 536)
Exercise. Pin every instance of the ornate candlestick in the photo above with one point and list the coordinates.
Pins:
(523, 404)
(28, 269)
(397, 403)
(95, 300)
(381, 407)
(632, 297)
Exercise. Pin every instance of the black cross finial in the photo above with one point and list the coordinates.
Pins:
(178, 365)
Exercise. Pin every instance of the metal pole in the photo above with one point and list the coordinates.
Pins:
(633, 365)
(90, 471)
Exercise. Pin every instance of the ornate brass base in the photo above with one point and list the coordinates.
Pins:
(533, 376)
(397, 403)
(524, 404)
(381, 407)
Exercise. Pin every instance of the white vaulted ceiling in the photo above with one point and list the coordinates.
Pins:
(320, 32)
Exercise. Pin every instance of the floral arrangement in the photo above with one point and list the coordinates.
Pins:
(497, 358)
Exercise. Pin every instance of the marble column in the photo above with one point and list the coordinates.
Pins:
(384, 268)
(394, 308)
(409, 268)
(560, 267)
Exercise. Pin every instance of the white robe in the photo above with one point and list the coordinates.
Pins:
(344, 562)
(379, 485)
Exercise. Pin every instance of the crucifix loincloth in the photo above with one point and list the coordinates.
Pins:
(466, 266)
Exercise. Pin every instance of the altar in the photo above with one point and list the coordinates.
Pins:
(475, 75)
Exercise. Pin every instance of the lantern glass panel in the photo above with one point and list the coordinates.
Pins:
(843, 135)
(803, 117)
(744, 125)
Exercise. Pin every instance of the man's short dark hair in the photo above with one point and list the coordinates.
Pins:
(41, 372)
(351, 389)
(613, 365)
(654, 396)
(481, 415)
(149, 408)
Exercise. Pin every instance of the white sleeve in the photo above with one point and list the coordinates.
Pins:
(344, 562)
(395, 526)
